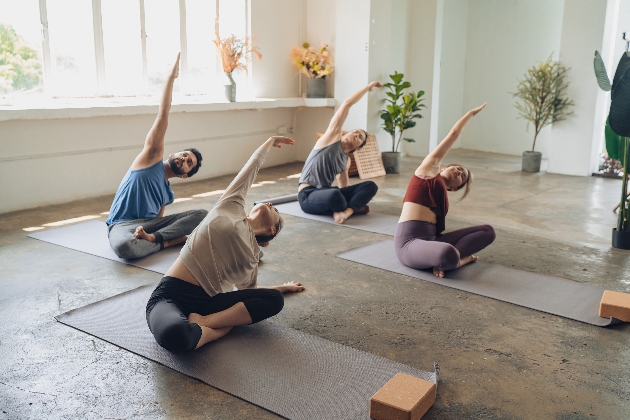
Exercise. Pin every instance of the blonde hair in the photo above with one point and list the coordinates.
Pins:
(467, 183)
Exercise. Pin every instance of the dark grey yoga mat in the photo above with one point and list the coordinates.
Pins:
(371, 222)
(553, 295)
(91, 238)
(285, 371)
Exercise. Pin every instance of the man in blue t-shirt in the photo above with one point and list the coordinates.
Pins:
(137, 226)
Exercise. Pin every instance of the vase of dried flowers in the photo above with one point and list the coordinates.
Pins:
(316, 65)
(235, 54)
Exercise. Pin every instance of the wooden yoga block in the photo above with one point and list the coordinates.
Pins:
(404, 397)
(615, 305)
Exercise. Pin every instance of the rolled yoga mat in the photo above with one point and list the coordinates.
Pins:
(290, 373)
(371, 222)
(280, 200)
(91, 238)
(553, 295)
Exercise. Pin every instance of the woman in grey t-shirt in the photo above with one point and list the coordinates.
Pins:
(329, 160)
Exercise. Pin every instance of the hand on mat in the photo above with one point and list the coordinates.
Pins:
(175, 70)
(278, 141)
(291, 286)
(373, 85)
(476, 111)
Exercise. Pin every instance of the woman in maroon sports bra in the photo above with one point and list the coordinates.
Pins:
(418, 240)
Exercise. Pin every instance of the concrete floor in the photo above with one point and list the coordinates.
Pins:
(499, 361)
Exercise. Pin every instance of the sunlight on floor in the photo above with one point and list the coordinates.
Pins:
(69, 221)
(208, 194)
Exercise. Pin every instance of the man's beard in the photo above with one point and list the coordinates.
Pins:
(176, 169)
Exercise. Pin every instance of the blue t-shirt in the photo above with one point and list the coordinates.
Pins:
(141, 195)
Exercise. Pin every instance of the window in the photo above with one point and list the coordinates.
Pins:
(80, 48)
(21, 70)
(122, 45)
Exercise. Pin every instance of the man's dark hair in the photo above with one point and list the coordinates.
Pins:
(199, 159)
(364, 141)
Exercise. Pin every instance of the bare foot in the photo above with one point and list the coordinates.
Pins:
(364, 210)
(342, 216)
(141, 234)
(176, 241)
(438, 273)
(469, 259)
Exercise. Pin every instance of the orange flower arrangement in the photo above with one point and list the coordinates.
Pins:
(236, 52)
(313, 63)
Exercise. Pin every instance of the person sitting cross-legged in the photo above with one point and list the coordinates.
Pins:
(328, 160)
(137, 226)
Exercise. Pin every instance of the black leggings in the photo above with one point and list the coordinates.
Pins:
(332, 199)
(174, 299)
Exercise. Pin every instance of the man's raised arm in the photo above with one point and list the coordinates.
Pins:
(153, 150)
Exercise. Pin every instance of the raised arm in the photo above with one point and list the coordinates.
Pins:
(238, 188)
(430, 166)
(333, 132)
(153, 150)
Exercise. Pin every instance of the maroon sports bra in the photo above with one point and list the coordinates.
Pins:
(431, 193)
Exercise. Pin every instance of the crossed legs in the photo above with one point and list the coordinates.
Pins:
(139, 238)
(417, 247)
(182, 317)
(341, 202)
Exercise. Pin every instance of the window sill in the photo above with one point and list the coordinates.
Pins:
(104, 107)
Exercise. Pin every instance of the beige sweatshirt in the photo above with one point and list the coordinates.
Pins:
(222, 251)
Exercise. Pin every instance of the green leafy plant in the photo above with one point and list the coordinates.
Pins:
(401, 109)
(541, 95)
(19, 65)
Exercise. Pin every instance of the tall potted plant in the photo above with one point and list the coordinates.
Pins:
(541, 101)
(617, 132)
(235, 54)
(400, 110)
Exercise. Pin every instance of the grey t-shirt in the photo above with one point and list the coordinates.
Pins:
(322, 165)
(222, 251)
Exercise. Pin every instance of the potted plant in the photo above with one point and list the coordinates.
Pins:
(235, 54)
(316, 65)
(617, 133)
(541, 102)
(400, 110)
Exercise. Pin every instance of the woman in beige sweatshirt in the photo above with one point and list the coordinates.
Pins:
(195, 302)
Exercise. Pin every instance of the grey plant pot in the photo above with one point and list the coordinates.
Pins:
(620, 239)
(391, 162)
(531, 161)
(316, 88)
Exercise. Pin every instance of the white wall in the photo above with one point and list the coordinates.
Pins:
(504, 38)
(276, 27)
(452, 66)
(321, 21)
(421, 26)
(572, 150)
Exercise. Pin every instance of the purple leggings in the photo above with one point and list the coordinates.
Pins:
(417, 245)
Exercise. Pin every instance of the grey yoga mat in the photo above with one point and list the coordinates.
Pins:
(290, 373)
(371, 222)
(553, 295)
(91, 238)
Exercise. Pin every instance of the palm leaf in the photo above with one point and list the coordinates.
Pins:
(600, 73)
